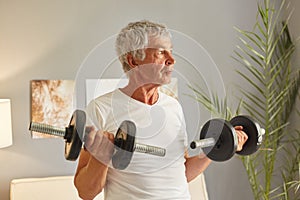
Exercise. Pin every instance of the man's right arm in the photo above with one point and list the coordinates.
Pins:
(90, 176)
(92, 168)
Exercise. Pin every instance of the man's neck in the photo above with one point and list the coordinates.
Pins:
(147, 94)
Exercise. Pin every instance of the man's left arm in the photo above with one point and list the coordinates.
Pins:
(197, 164)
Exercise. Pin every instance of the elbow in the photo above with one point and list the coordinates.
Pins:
(87, 191)
(87, 196)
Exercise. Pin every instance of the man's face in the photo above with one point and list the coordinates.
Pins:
(158, 64)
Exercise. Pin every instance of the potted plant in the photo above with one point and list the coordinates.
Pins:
(265, 60)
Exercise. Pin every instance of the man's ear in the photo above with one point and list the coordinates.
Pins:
(131, 61)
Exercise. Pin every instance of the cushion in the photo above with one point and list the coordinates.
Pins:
(47, 188)
(62, 188)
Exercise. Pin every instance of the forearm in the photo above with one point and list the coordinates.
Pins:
(90, 177)
(196, 165)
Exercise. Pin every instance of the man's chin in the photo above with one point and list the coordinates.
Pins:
(162, 81)
(166, 81)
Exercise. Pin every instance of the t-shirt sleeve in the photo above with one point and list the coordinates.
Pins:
(183, 126)
(94, 115)
(185, 132)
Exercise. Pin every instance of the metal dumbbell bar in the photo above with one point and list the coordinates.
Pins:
(124, 140)
(218, 138)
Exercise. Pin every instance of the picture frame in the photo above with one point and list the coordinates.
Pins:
(51, 103)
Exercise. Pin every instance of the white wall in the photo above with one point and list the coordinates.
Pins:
(50, 39)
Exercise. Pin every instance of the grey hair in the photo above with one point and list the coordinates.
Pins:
(133, 39)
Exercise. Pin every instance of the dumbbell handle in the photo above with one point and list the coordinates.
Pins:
(48, 129)
(148, 149)
(61, 132)
(207, 142)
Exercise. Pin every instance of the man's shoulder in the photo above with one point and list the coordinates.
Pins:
(103, 100)
(104, 96)
(165, 98)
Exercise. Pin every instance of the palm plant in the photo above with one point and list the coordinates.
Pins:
(265, 55)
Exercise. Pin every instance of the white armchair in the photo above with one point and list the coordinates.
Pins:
(58, 188)
(62, 188)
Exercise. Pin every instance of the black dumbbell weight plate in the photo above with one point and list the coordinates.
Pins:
(124, 145)
(251, 128)
(224, 135)
(74, 135)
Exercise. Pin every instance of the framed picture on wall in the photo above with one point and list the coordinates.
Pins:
(51, 103)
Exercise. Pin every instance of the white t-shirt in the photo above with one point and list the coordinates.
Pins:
(162, 124)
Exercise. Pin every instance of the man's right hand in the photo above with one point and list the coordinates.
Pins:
(100, 144)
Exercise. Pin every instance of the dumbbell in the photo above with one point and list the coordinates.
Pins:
(124, 140)
(218, 139)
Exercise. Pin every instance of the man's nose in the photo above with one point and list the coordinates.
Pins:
(170, 59)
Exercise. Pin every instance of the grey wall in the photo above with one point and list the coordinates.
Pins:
(50, 39)
(295, 30)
